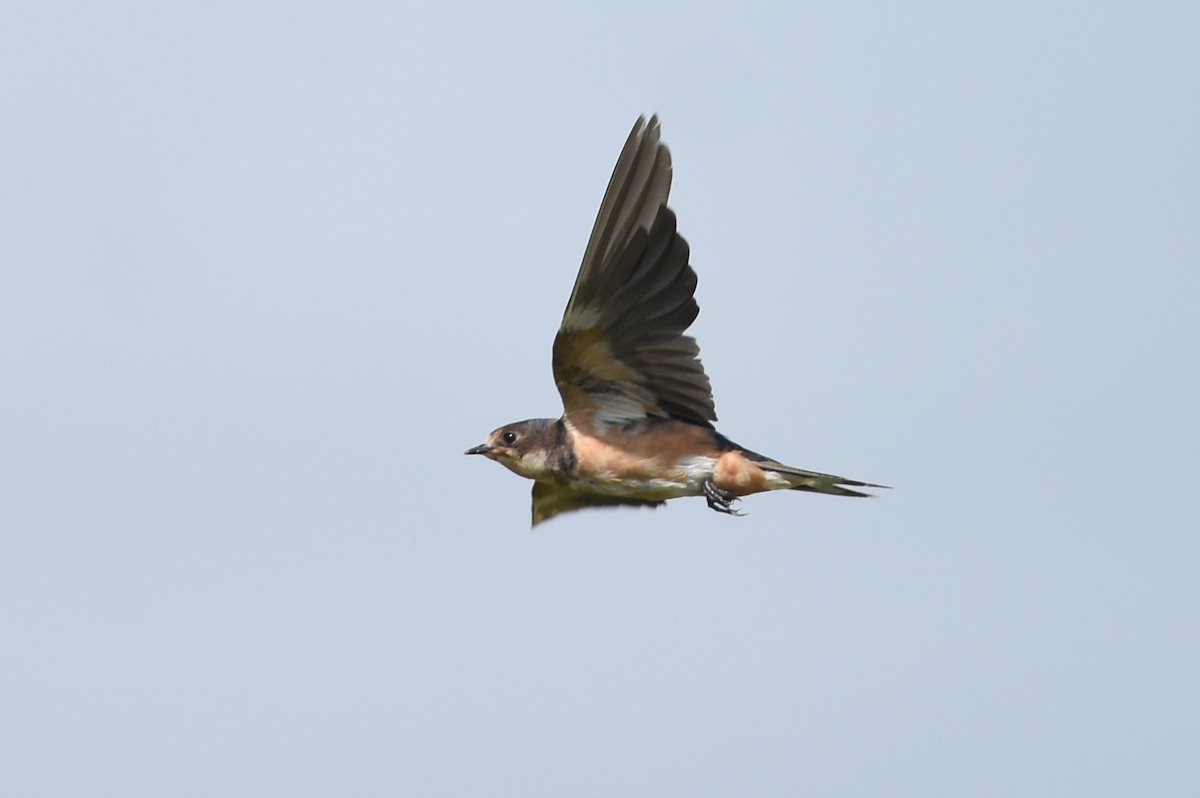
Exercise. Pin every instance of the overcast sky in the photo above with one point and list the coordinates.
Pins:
(267, 269)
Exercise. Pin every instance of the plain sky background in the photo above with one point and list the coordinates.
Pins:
(267, 269)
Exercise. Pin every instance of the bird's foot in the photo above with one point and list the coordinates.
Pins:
(720, 500)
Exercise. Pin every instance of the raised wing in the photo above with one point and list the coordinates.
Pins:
(620, 352)
(551, 500)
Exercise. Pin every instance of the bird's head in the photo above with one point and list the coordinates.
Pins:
(523, 447)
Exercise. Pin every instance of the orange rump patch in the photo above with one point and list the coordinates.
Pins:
(737, 475)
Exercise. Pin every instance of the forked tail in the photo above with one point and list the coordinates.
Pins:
(798, 478)
(828, 483)
(816, 482)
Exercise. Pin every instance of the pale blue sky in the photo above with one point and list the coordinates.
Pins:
(266, 270)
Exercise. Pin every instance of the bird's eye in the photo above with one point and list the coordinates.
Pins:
(509, 437)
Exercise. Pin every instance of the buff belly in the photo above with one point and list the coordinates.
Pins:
(665, 461)
(730, 472)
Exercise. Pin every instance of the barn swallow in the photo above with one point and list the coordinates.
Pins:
(637, 423)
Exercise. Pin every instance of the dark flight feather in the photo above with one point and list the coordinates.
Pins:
(550, 500)
(622, 330)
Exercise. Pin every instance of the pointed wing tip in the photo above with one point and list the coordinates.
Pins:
(647, 121)
(648, 128)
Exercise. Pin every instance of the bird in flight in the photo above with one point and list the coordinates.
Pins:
(637, 422)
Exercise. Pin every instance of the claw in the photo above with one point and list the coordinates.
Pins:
(720, 500)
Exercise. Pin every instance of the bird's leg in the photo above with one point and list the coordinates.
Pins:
(720, 500)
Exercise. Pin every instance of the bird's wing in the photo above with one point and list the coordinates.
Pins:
(620, 353)
(550, 500)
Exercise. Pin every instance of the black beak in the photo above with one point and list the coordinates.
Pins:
(482, 448)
